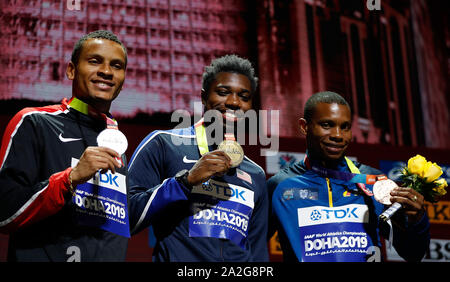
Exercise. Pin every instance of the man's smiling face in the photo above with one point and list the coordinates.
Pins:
(100, 73)
(328, 133)
(230, 94)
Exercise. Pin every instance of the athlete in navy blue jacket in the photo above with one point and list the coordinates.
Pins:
(322, 216)
(201, 208)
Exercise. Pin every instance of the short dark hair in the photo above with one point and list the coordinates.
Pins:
(103, 34)
(229, 63)
(327, 97)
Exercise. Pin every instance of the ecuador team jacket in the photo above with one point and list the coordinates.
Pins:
(328, 219)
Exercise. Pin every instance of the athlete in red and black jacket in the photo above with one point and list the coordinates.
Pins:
(50, 159)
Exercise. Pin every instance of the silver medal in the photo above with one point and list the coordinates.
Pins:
(113, 139)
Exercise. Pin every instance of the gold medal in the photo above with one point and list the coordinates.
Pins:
(229, 145)
(233, 150)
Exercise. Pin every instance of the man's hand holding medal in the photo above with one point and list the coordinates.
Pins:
(421, 181)
(112, 143)
(215, 163)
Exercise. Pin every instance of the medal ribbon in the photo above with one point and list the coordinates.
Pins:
(86, 109)
(229, 136)
(202, 141)
(200, 135)
(353, 177)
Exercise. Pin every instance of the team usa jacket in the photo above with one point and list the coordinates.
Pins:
(224, 219)
(44, 221)
(327, 219)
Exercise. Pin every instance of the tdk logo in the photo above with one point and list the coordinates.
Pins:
(116, 181)
(107, 178)
(340, 213)
(206, 186)
(224, 190)
(316, 215)
(334, 213)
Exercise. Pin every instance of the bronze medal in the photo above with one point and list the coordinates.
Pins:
(382, 190)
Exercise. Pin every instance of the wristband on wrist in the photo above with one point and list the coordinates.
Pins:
(71, 189)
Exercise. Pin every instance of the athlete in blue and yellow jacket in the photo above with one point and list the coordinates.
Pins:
(321, 216)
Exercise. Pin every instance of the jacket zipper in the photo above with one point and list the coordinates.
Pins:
(330, 194)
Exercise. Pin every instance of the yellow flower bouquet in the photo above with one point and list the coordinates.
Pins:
(423, 176)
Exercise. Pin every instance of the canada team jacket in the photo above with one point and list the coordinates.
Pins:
(38, 148)
(224, 219)
(325, 219)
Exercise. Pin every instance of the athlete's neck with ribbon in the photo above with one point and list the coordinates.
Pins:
(228, 145)
(354, 176)
(89, 110)
(228, 132)
(338, 164)
(110, 137)
(203, 135)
